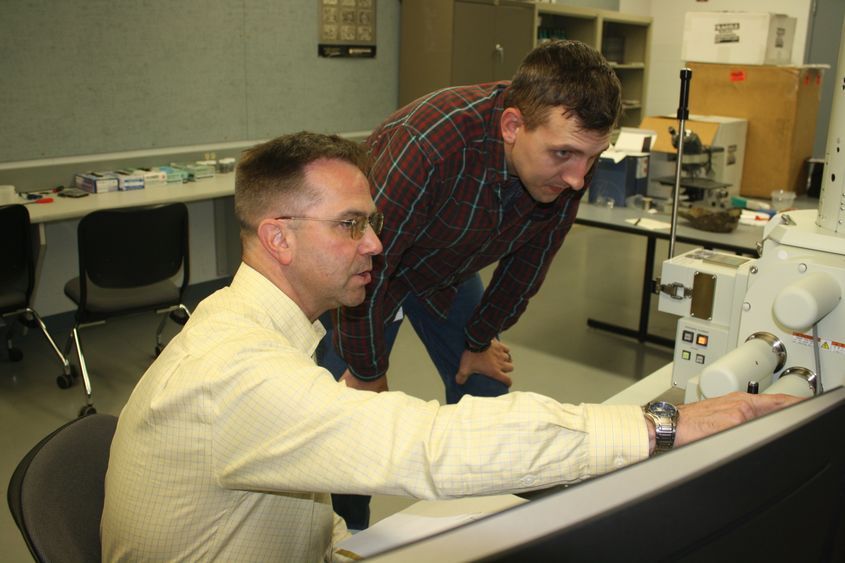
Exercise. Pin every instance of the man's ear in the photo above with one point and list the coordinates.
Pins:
(275, 237)
(510, 123)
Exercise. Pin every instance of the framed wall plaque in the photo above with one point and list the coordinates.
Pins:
(347, 28)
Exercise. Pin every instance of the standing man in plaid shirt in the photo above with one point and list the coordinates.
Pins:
(466, 177)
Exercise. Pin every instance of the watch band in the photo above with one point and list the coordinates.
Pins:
(665, 418)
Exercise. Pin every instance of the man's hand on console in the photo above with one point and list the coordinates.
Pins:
(703, 418)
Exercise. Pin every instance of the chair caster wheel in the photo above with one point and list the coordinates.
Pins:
(15, 355)
(66, 380)
(179, 317)
(27, 320)
(86, 410)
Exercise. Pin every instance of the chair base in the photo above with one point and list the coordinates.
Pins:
(175, 313)
(28, 317)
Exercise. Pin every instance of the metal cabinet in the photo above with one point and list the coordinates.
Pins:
(452, 42)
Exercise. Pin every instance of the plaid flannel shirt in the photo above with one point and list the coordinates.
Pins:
(451, 207)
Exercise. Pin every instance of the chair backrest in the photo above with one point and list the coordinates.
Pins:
(56, 493)
(132, 247)
(17, 258)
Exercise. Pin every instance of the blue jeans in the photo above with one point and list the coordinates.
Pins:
(444, 341)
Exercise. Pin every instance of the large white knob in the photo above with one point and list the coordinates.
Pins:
(755, 360)
(803, 303)
(797, 381)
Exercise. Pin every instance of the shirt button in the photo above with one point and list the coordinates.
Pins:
(619, 461)
(527, 481)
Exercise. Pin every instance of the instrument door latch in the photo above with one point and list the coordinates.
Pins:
(675, 290)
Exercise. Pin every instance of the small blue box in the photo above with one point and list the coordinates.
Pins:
(618, 180)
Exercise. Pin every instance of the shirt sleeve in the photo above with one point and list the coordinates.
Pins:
(304, 432)
(400, 175)
(517, 278)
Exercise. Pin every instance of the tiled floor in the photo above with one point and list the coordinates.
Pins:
(597, 274)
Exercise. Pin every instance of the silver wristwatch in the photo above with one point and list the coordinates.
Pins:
(665, 418)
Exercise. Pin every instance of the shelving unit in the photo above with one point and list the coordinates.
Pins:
(623, 39)
(554, 21)
(452, 42)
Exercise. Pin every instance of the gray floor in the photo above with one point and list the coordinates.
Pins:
(597, 274)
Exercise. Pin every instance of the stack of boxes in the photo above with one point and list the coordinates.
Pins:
(139, 178)
(740, 68)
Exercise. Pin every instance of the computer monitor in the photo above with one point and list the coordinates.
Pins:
(769, 490)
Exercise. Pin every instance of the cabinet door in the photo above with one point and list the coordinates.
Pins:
(515, 30)
(425, 48)
(473, 42)
(490, 39)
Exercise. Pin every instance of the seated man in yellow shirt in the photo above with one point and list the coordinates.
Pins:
(234, 438)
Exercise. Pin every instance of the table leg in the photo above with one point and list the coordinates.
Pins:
(641, 334)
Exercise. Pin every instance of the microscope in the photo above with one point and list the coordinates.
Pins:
(699, 164)
(773, 324)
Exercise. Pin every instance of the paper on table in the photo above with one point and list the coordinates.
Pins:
(754, 218)
(423, 519)
(635, 140)
(649, 224)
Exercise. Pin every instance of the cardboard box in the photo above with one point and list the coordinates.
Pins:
(623, 169)
(738, 38)
(728, 134)
(618, 180)
(129, 180)
(173, 175)
(153, 177)
(781, 105)
(96, 182)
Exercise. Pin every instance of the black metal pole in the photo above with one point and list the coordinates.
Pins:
(683, 115)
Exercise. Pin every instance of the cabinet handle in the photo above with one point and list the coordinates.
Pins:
(500, 52)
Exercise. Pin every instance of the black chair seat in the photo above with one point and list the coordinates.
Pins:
(14, 284)
(105, 301)
(12, 300)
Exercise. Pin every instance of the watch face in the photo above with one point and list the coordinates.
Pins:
(661, 408)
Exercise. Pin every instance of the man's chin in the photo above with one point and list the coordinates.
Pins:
(353, 300)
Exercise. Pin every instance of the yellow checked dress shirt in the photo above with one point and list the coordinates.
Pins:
(233, 439)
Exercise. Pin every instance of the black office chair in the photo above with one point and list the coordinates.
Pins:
(128, 259)
(56, 492)
(17, 282)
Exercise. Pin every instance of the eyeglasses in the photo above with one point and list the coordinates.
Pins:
(356, 226)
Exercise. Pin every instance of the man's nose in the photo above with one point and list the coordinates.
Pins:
(575, 171)
(370, 243)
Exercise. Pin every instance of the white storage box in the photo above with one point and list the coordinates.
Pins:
(755, 38)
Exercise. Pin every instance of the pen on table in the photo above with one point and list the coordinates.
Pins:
(39, 200)
(637, 222)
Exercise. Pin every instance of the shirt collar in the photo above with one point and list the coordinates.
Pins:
(283, 314)
(497, 163)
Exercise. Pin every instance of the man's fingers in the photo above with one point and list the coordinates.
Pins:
(461, 378)
(707, 417)
(505, 379)
(764, 404)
